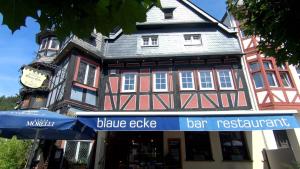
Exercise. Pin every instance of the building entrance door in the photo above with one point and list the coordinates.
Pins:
(134, 150)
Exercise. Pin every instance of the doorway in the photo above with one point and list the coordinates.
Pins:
(134, 150)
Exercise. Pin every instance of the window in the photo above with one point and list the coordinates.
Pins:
(186, 80)
(285, 79)
(258, 80)
(160, 81)
(77, 151)
(43, 43)
(54, 44)
(298, 72)
(192, 39)
(272, 79)
(206, 80)
(84, 95)
(197, 145)
(267, 64)
(128, 82)
(150, 40)
(168, 12)
(254, 66)
(225, 79)
(86, 74)
(234, 146)
(281, 138)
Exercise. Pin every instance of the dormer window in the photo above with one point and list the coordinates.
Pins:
(54, 44)
(192, 39)
(168, 12)
(150, 40)
(49, 43)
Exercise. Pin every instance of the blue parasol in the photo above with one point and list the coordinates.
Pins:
(42, 124)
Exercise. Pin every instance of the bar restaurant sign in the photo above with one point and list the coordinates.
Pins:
(33, 78)
(192, 123)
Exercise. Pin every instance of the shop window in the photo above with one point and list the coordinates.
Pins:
(160, 81)
(285, 79)
(197, 145)
(225, 79)
(77, 152)
(192, 39)
(234, 146)
(186, 80)
(128, 82)
(84, 95)
(272, 79)
(150, 40)
(86, 74)
(281, 138)
(206, 80)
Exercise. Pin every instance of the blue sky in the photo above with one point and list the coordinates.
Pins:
(19, 48)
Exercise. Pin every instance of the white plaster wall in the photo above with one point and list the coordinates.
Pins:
(255, 142)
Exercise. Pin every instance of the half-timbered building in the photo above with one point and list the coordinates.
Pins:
(179, 62)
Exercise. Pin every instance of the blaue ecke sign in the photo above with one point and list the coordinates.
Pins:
(190, 123)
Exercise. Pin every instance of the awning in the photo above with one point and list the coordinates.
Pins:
(190, 123)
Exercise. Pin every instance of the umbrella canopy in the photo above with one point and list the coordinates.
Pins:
(25, 124)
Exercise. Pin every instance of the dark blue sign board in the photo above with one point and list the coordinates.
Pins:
(190, 123)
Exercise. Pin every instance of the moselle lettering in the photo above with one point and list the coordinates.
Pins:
(40, 123)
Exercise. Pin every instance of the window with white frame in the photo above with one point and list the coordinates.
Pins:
(128, 82)
(150, 40)
(54, 43)
(186, 80)
(225, 79)
(77, 151)
(272, 79)
(285, 79)
(160, 81)
(267, 64)
(206, 80)
(192, 39)
(44, 44)
(86, 74)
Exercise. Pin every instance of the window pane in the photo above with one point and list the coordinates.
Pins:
(83, 152)
(271, 79)
(54, 44)
(281, 138)
(161, 81)
(254, 66)
(225, 79)
(285, 79)
(267, 64)
(129, 82)
(206, 79)
(81, 72)
(91, 97)
(187, 80)
(91, 75)
(154, 41)
(197, 146)
(146, 41)
(258, 80)
(70, 151)
(233, 146)
(76, 93)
